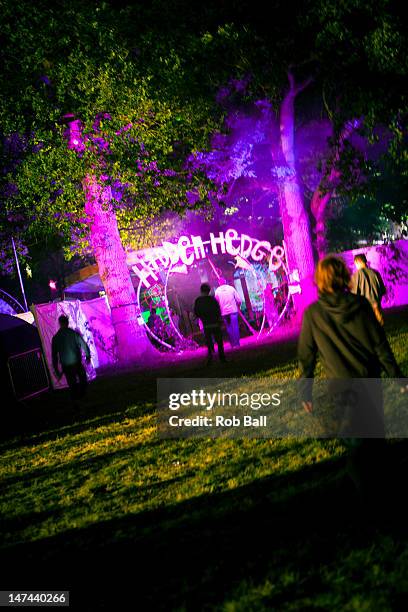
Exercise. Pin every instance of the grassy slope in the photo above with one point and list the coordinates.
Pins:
(236, 524)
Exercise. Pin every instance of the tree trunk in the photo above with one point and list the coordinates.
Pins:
(296, 227)
(110, 256)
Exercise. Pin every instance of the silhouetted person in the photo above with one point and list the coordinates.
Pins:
(155, 324)
(368, 282)
(342, 329)
(229, 302)
(67, 345)
(271, 311)
(154, 321)
(207, 309)
(175, 318)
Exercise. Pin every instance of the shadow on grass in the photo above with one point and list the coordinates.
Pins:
(83, 465)
(192, 554)
(52, 416)
(69, 425)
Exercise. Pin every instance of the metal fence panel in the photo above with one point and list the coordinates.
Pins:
(28, 374)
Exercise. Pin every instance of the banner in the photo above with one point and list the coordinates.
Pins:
(46, 316)
(99, 323)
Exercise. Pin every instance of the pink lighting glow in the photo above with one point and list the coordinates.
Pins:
(192, 248)
(157, 268)
(73, 133)
(109, 254)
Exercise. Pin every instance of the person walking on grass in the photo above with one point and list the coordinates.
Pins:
(368, 282)
(67, 346)
(207, 309)
(229, 301)
(342, 330)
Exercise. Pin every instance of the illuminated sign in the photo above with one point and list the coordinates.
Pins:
(189, 249)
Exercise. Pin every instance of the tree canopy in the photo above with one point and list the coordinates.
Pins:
(76, 67)
(144, 80)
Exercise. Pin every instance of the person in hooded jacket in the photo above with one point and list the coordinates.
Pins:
(342, 329)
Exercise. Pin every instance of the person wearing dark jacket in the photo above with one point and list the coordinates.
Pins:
(207, 309)
(368, 282)
(342, 329)
(66, 348)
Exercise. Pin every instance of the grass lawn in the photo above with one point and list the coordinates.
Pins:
(95, 503)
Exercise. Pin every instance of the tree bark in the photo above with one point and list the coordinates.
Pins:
(133, 344)
(296, 227)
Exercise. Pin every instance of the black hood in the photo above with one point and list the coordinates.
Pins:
(341, 306)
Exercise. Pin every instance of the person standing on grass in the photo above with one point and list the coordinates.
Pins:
(67, 345)
(229, 301)
(207, 309)
(368, 282)
(342, 330)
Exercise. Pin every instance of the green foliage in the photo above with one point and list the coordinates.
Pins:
(75, 61)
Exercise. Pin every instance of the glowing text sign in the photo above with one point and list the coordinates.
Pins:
(189, 249)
